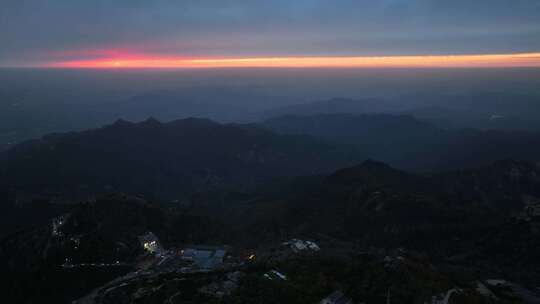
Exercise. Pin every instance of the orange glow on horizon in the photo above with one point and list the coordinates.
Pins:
(444, 61)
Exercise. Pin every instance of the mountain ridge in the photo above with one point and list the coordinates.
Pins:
(157, 158)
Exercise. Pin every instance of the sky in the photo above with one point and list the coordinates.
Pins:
(297, 33)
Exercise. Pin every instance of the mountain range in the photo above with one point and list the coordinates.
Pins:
(178, 159)
(466, 213)
(406, 142)
(165, 160)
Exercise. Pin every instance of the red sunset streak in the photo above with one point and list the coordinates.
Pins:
(444, 61)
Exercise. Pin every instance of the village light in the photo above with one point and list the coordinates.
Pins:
(150, 243)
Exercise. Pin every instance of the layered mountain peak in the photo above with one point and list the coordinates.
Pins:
(151, 121)
(122, 123)
(164, 159)
(370, 173)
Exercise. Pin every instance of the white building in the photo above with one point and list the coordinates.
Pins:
(299, 245)
(150, 243)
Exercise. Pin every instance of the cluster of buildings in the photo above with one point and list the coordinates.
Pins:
(275, 275)
(201, 258)
(301, 246)
(57, 223)
(207, 258)
(195, 259)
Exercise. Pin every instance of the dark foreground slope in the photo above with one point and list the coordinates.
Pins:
(484, 221)
(89, 244)
(378, 227)
(376, 204)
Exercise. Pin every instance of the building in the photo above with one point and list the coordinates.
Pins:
(150, 243)
(275, 275)
(337, 297)
(299, 245)
(57, 223)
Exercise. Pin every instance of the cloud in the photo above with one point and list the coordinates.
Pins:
(36, 29)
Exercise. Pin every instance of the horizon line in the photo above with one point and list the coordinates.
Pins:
(509, 60)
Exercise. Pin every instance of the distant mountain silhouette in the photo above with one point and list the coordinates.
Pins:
(334, 106)
(480, 110)
(167, 105)
(407, 142)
